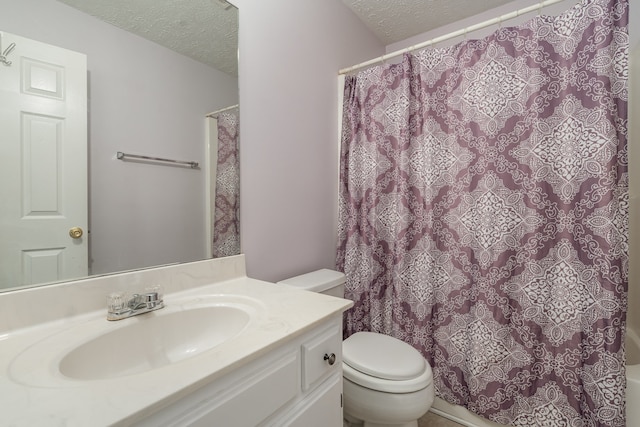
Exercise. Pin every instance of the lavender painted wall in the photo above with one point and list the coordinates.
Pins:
(290, 52)
(140, 214)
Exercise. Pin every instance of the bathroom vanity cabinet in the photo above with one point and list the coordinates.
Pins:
(226, 350)
(298, 383)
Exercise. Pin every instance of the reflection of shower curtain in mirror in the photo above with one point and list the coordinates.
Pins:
(226, 227)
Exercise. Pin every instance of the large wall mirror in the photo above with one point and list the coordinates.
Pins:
(84, 80)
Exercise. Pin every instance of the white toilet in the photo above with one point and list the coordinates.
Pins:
(387, 383)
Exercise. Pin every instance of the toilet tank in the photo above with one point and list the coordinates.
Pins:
(325, 281)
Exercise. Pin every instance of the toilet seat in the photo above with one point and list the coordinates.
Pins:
(381, 362)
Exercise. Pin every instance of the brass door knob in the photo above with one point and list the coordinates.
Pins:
(75, 232)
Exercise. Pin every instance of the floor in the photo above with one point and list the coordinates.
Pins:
(433, 420)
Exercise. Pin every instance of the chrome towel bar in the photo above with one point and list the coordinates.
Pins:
(121, 156)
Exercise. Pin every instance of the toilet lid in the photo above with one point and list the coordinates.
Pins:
(388, 386)
(382, 356)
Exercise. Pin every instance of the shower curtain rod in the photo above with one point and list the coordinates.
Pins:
(462, 32)
(222, 110)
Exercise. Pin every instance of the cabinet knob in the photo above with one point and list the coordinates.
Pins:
(330, 358)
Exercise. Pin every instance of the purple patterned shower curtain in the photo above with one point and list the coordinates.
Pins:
(484, 215)
(226, 226)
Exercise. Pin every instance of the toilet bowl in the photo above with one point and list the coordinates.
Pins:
(387, 383)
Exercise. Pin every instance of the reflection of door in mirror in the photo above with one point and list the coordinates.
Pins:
(223, 193)
(145, 99)
(43, 125)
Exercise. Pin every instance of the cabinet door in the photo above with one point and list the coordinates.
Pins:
(256, 399)
(315, 366)
(323, 409)
(244, 398)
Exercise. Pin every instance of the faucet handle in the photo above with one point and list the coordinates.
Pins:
(151, 299)
(157, 289)
(116, 302)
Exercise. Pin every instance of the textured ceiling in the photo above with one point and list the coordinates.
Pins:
(205, 30)
(396, 20)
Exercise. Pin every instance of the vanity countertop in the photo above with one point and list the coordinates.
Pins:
(28, 401)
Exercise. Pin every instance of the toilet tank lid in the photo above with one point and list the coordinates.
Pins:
(316, 281)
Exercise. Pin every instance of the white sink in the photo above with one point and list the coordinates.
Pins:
(153, 342)
(101, 350)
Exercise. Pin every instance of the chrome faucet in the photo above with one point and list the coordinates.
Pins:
(118, 308)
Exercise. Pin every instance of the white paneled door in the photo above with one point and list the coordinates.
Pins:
(43, 162)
